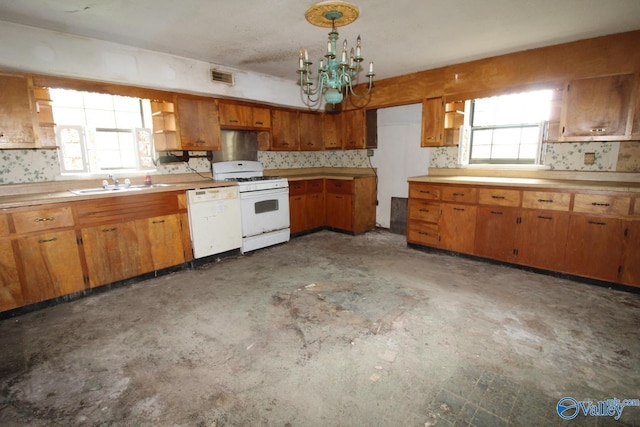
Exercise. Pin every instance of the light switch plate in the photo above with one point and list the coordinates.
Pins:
(369, 152)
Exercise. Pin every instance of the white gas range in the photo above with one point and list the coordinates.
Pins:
(264, 202)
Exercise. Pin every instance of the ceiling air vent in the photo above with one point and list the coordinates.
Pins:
(221, 76)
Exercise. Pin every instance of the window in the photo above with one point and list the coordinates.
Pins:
(508, 129)
(101, 133)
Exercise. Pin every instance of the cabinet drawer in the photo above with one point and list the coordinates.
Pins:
(499, 197)
(422, 233)
(424, 211)
(42, 219)
(423, 191)
(602, 204)
(339, 186)
(315, 186)
(297, 187)
(546, 200)
(459, 194)
(636, 207)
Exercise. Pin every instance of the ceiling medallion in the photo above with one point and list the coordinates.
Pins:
(336, 75)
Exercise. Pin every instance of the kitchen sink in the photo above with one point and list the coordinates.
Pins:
(113, 189)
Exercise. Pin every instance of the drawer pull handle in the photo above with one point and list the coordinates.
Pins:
(108, 230)
(159, 221)
(424, 233)
(458, 209)
(233, 121)
(425, 191)
(497, 197)
(598, 129)
(458, 194)
(600, 204)
(424, 210)
(545, 200)
(259, 123)
(597, 223)
(496, 212)
(544, 217)
(47, 240)
(50, 218)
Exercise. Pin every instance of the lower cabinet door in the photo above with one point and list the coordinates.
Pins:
(457, 227)
(594, 247)
(315, 210)
(339, 211)
(297, 214)
(10, 289)
(496, 233)
(631, 266)
(160, 240)
(51, 265)
(112, 252)
(542, 236)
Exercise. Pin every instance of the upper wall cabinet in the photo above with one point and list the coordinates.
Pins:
(17, 117)
(432, 122)
(285, 133)
(198, 124)
(310, 125)
(234, 116)
(598, 109)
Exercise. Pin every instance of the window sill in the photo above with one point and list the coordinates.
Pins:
(505, 167)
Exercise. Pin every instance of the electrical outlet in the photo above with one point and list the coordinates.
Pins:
(369, 152)
(589, 158)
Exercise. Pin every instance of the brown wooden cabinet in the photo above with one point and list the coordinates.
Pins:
(51, 266)
(339, 207)
(10, 289)
(160, 242)
(331, 131)
(306, 205)
(597, 108)
(315, 204)
(541, 239)
(17, 113)
(44, 111)
(353, 129)
(594, 247)
(235, 116)
(112, 252)
(631, 262)
(457, 227)
(285, 132)
(297, 206)
(310, 131)
(432, 122)
(198, 123)
(592, 234)
(496, 230)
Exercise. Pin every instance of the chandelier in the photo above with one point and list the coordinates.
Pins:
(336, 73)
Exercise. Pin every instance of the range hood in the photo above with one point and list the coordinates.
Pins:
(237, 145)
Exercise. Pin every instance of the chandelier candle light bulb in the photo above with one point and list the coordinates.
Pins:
(335, 78)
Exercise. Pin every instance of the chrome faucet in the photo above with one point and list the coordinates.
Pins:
(115, 180)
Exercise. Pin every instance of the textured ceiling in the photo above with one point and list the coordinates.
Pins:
(400, 36)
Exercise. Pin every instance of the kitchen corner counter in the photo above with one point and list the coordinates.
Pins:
(21, 195)
(558, 184)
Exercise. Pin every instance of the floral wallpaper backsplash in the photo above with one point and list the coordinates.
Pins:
(20, 166)
(314, 159)
(566, 156)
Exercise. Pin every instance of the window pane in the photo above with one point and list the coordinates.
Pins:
(507, 128)
(101, 119)
(127, 120)
(68, 116)
(126, 103)
(98, 101)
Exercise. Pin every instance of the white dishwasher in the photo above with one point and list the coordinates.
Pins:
(214, 220)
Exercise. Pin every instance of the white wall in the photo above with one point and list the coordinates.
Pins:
(398, 155)
(29, 49)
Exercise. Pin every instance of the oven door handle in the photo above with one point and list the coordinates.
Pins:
(263, 193)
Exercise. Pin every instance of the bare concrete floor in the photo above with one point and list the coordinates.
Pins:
(327, 330)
